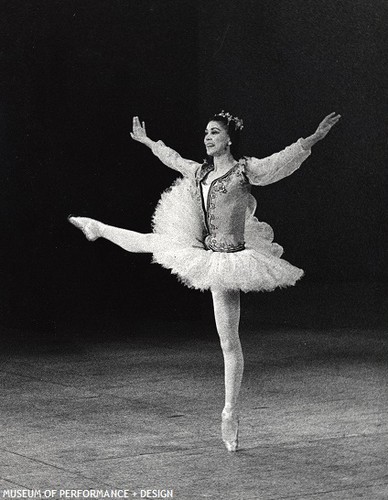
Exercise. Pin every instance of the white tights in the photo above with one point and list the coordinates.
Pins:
(129, 240)
(226, 302)
(227, 315)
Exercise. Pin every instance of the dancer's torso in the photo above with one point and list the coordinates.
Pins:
(224, 202)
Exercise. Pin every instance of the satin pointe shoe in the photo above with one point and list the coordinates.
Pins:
(229, 429)
(89, 227)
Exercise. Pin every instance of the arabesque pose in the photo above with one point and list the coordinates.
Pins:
(205, 232)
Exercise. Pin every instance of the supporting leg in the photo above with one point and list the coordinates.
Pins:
(128, 240)
(227, 315)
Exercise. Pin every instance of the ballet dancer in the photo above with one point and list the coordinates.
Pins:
(206, 233)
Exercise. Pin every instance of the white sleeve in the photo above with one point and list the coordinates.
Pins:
(263, 171)
(174, 160)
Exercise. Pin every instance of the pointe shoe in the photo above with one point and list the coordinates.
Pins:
(89, 227)
(229, 429)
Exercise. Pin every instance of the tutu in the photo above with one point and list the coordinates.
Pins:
(179, 223)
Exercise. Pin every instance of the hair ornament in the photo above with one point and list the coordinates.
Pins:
(238, 122)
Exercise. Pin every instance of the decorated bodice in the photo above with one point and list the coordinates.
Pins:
(224, 206)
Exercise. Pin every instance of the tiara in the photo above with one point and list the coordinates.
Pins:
(238, 123)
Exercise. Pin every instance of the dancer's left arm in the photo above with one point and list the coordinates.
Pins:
(263, 171)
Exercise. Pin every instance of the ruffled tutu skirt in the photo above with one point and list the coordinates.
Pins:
(178, 222)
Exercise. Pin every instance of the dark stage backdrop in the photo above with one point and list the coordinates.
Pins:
(74, 73)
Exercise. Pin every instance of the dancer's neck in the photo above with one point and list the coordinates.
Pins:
(223, 162)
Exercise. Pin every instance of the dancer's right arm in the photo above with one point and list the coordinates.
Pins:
(165, 154)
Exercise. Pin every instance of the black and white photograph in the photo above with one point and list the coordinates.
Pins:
(194, 249)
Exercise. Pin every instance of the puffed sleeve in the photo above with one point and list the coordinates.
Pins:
(174, 160)
(263, 171)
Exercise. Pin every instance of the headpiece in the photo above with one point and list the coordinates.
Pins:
(238, 123)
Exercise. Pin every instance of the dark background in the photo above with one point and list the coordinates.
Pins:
(73, 73)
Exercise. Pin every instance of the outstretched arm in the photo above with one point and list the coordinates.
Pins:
(323, 129)
(165, 154)
(263, 171)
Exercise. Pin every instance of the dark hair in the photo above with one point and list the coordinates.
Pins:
(234, 134)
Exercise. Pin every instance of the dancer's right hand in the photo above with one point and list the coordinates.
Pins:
(139, 131)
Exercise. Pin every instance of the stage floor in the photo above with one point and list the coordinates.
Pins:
(144, 414)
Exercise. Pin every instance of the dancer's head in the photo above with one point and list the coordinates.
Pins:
(222, 135)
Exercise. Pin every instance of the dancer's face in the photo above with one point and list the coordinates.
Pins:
(216, 139)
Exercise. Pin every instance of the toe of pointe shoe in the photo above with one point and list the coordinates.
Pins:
(79, 225)
(231, 446)
(230, 428)
(72, 219)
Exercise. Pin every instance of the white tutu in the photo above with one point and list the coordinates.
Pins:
(178, 221)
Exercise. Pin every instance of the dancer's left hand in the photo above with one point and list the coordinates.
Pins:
(326, 125)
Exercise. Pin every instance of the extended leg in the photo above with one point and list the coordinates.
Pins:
(129, 240)
(227, 316)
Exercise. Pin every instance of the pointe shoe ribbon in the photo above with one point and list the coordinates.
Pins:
(229, 429)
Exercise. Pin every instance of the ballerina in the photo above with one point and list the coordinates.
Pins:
(206, 233)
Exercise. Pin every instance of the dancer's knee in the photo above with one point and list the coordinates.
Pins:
(230, 345)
